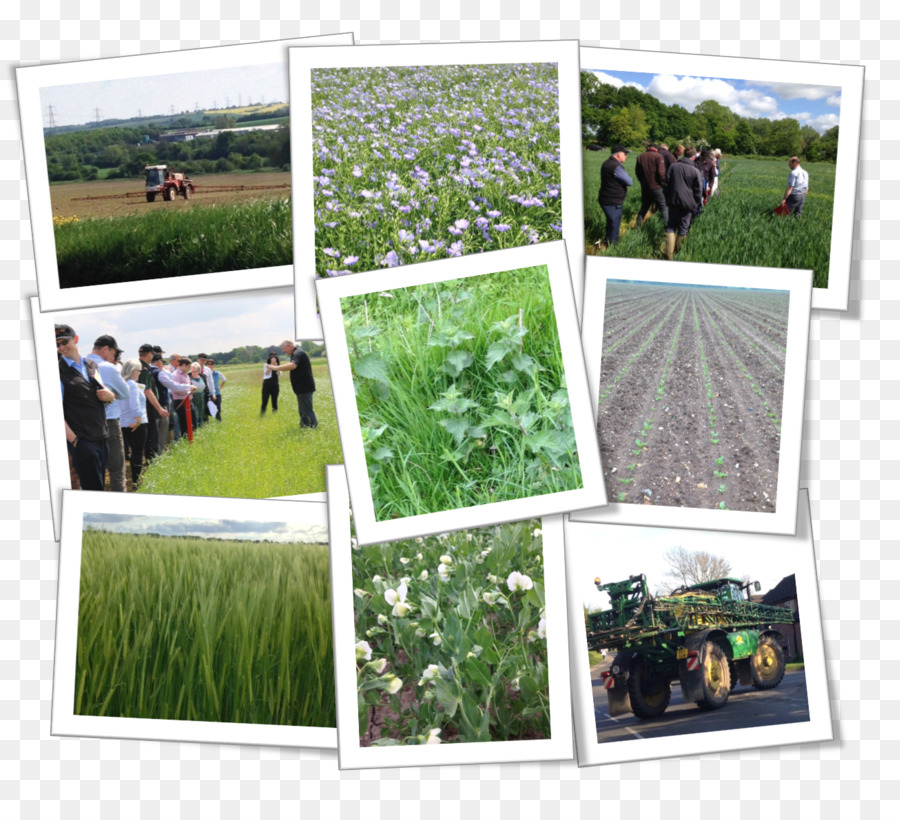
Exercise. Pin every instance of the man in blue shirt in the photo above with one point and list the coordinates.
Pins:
(104, 354)
(83, 399)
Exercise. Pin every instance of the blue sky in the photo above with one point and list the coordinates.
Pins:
(157, 95)
(815, 105)
(244, 530)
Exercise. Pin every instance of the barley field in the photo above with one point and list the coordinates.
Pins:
(196, 629)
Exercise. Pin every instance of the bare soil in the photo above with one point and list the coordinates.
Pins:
(673, 433)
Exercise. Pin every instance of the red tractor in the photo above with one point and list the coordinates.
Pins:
(160, 180)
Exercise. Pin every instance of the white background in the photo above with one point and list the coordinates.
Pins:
(850, 459)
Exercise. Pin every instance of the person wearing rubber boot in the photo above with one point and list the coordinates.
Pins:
(684, 194)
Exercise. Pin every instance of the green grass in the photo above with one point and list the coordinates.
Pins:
(595, 658)
(461, 393)
(245, 456)
(175, 242)
(189, 629)
(737, 227)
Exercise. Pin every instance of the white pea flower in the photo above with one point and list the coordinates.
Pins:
(490, 598)
(418, 556)
(468, 536)
(518, 582)
(493, 579)
(444, 573)
(376, 579)
(423, 575)
(354, 544)
(360, 593)
(382, 619)
(430, 673)
(433, 736)
(420, 633)
(363, 651)
(542, 628)
(436, 639)
(404, 560)
(446, 560)
(378, 666)
(405, 579)
(397, 599)
(420, 540)
(395, 684)
(538, 533)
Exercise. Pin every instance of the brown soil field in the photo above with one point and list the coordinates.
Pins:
(67, 198)
(691, 388)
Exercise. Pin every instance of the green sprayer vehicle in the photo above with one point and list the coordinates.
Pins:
(707, 636)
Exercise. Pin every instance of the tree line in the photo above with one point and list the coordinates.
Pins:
(122, 151)
(251, 354)
(629, 116)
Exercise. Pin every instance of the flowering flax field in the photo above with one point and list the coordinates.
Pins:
(461, 393)
(691, 390)
(426, 162)
(209, 630)
(451, 638)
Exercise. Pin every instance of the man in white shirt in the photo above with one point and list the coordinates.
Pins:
(797, 187)
(210, 384)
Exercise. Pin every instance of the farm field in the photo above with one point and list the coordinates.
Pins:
(196, 629)
(451, 643)
(248, 456)
(419, 163)
(735, 228)
(691, 388)
(129, 239)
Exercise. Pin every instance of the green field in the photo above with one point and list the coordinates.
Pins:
(175, 242)
(248, 456)
(735, 228)
(461, 393)
(192, 629)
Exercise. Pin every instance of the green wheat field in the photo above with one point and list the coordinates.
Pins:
(206, 630)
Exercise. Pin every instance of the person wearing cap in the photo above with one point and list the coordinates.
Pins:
(797, 187)
(104, 354)
(155, 410)
(614, 185)
(302, 382)
(206, 375)
(84, 397)
(218, 380)
(174, 421)
(651, 173)
(162, 424)
(668, 157)
(182, 394)
(684, 194)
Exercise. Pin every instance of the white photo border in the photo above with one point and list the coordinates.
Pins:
(64, 721)
(850, 79)
(559, 746)
(551, 254)
(582, 539)
(31, 79)
(302, 61)
(52, 417)
(799, 284)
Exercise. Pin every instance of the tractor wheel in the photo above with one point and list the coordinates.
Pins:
(716, 677)
(767, 664)
(169, 193)
(151, 196)
(649, 695)
(187, 192)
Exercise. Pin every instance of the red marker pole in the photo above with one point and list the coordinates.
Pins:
(187, 414)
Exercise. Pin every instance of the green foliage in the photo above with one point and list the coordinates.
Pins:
(188, 629)
(449, 644)
(175, 242)
(463, 383)
(248, 456)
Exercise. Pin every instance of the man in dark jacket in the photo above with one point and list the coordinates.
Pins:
(668, 157)
(651, 173)
(302, 382)
(83, 398)
(614, 185)
(684, 194)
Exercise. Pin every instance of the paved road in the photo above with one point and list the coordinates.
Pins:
(746, 708)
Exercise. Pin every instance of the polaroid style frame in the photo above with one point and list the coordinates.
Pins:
(64, 721)
(551, 254)
(31, 79)
(850, 80)
(353, 756)
(799, 283)
(302, 61)
(51, 404)
(584, 550)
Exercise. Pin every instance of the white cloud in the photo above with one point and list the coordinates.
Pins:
(823, 122)
(608, 79)
(834, 100)
(691, 91)
(803, 91)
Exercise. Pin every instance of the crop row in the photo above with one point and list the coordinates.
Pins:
(761, 345)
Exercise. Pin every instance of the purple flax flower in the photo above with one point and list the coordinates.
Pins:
(351, 260)
(331, 252)
(391, 260)
(501, 228)
(494, 214)
(357, 171)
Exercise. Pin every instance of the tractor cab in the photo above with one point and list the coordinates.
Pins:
(156, 177)
(726, 589)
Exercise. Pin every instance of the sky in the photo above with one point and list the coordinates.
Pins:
(280, 531)
(148, 96)
(815, 105)
(635, 550)
(209, 325)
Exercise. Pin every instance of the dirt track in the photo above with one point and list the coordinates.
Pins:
(67, 197)
(691, 394)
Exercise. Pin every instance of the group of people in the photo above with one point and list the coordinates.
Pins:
(120, 413)
(679, 183)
